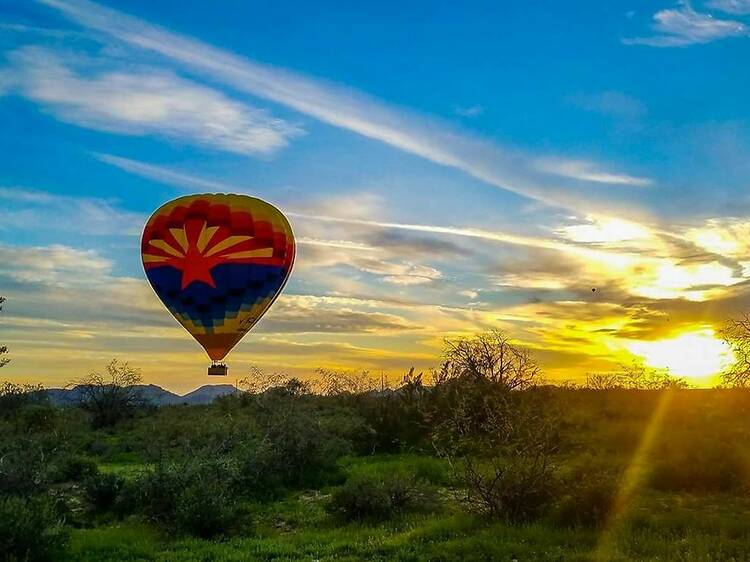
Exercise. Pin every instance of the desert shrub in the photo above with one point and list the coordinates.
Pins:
(395, 419)
(702, 465)
(515, 489)
(193, 496)
(154, 493)
(500, 443)
(102, 490)
(361, 498)
(205, 508)
(24, 467)
(295, 450)
(73, 468)
(36, 417)
(408, 493)
(257, 476)
(301, 451)
(372, 497)
(31, 529)
(14, 397)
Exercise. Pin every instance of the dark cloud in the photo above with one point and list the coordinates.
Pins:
(410, 245)
(331, 319)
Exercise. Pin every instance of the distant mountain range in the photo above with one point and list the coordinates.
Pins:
(151, 393)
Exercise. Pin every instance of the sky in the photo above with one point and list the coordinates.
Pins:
(574, 174)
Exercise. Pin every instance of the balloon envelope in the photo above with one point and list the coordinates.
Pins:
(217, 262)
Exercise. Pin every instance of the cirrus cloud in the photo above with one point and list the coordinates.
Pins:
(96, 94)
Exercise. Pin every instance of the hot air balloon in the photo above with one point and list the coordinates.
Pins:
(217, 262)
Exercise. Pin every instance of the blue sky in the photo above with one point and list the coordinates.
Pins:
(446, 169)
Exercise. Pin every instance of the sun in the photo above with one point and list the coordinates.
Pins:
(696, 355)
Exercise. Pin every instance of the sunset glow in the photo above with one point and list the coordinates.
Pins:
(698, 355)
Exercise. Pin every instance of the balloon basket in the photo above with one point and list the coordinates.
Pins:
(217, 370)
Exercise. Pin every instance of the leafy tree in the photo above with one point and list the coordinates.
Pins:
(3, 349)
(111, 396)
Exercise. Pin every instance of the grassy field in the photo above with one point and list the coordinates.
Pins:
(634, 475)
(659, 526)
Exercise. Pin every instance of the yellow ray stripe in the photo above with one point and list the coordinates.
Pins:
(259, 253)
(148, 258)
(632, 480)
(162, 245)
(179, 235)
(205, 236)
(227, 243)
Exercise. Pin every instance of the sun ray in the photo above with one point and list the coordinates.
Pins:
(632, 479)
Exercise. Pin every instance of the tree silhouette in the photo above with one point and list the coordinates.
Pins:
(3, 349)
(490, 357)
(111, 396)
(737, 334)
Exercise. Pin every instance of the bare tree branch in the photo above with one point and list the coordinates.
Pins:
(3, 349)
(110, 396)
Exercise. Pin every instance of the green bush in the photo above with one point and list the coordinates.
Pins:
(516, 489)
(73, 468)
(295, 451)
(205, 509)
(371, 497)
(154, 493)
(195, 497)
(31, 529)
(24, 470)
(102, 490)
(36, 417)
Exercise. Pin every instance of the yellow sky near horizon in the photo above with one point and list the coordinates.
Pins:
(630, 297)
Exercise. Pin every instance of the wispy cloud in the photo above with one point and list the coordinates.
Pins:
(89, 93)
(684, 26)
(638, 258)
(586, 171)
(506, 168)
(610, 102)
(37, 31)
(738, 7)
(168, 176)
(162, 174)
(25, 209)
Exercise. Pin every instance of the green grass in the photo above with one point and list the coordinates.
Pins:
(430, 469)
(126, 470)
(659, 526)
(680, 516)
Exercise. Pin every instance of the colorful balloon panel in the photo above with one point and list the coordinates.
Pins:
(217, 262)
